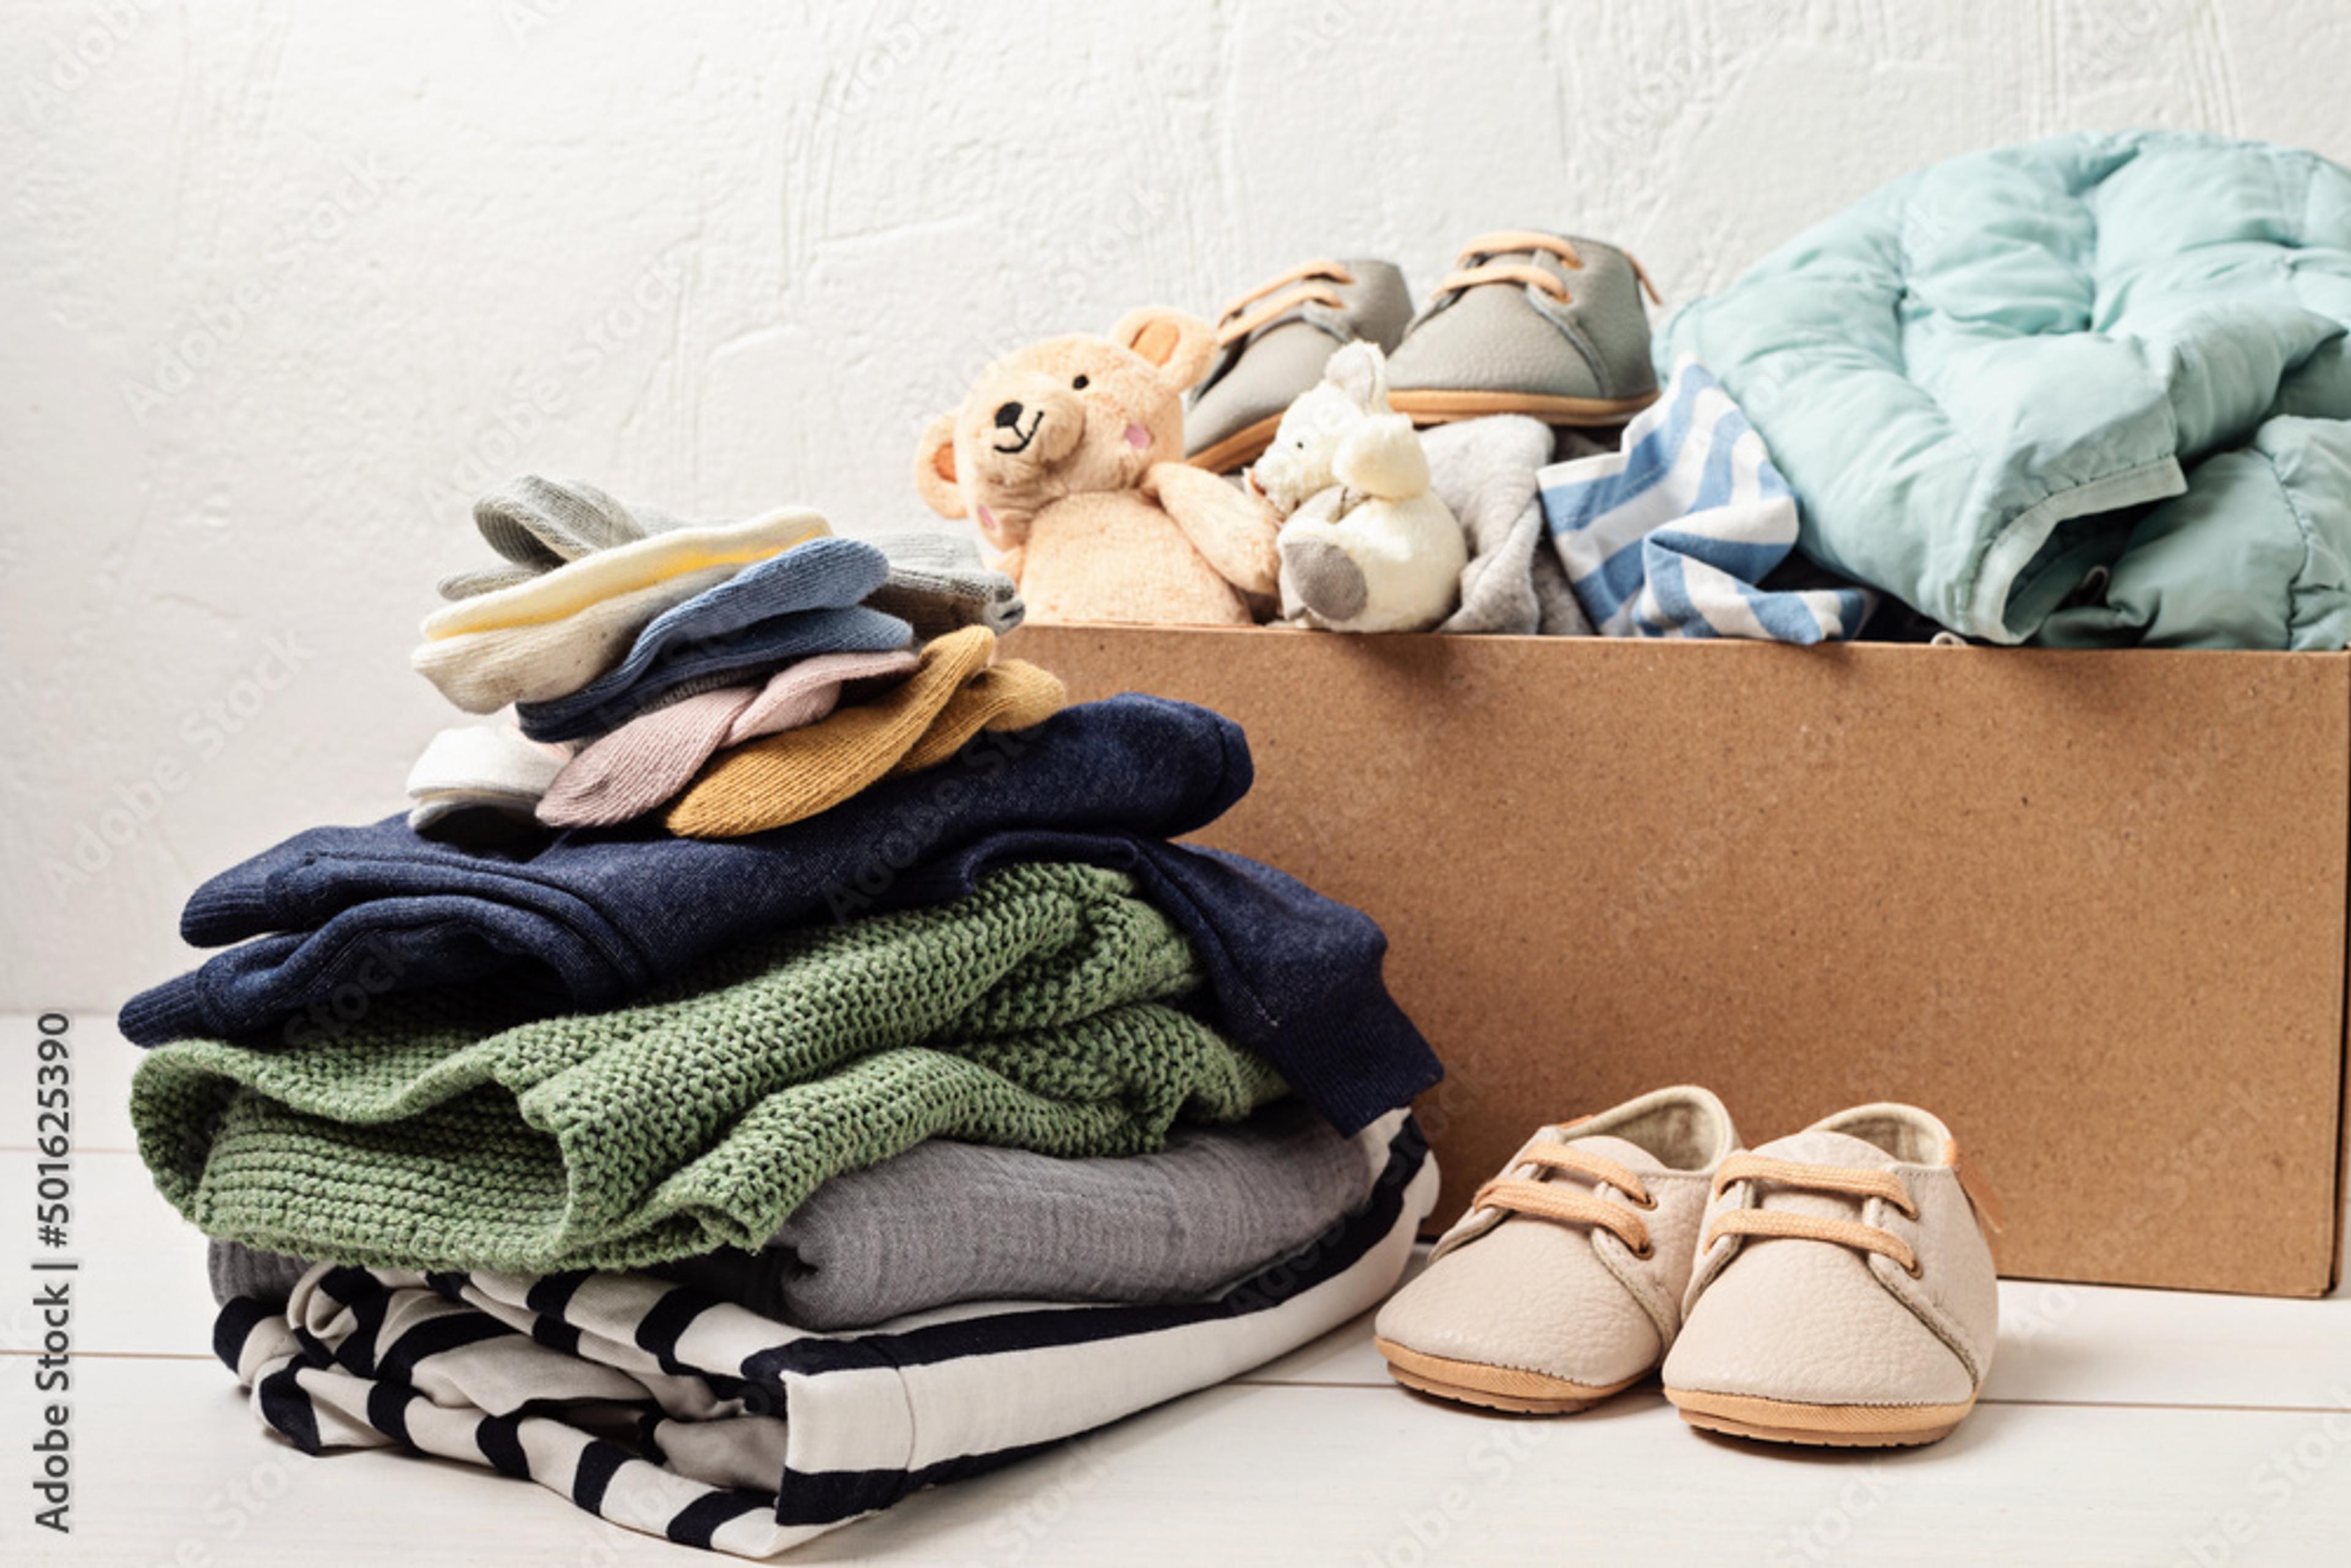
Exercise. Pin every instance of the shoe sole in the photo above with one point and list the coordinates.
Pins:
(1247, 445)
(1510, 1389)
(1238, 450)
(1439, 407)
(1822, 1425)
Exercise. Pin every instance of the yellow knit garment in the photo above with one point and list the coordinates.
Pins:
(951, 696)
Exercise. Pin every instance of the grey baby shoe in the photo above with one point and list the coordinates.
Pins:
(1271, 345)
(1529, 323)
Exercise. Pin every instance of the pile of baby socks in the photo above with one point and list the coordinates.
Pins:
(638, 649)
(953, 695)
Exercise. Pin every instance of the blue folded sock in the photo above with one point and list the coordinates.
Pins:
(683, 666)
(790, 606)
(591, 917)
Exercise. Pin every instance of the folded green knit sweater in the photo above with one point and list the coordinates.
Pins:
(436, 1133)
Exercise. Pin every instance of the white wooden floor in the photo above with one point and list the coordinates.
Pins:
(2121, 1427)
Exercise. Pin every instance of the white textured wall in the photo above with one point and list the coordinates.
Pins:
(284, 284)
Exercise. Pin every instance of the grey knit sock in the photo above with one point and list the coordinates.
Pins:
(541, 524)
(937, 584)
(1485, 470)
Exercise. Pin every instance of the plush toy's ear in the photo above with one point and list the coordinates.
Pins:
(1180, 345)
(1360, 370)
(934, 468)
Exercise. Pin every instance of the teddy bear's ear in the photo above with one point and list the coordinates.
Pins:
(1180, 345)
(934, 468)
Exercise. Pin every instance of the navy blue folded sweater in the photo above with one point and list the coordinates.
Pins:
(335, 916)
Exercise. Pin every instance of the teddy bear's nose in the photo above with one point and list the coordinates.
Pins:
(1007, 416)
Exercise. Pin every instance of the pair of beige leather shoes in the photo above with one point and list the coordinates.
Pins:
(1832, 1287)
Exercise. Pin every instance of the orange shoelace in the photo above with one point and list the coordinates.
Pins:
(1804, 1177)
(1503, 240)
(1523, 1195)
(1313, 283)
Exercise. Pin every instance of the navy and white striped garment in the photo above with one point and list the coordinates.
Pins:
(664, 1411)
(1671, 535)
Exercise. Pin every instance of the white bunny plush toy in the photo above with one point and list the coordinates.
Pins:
(1365, 546)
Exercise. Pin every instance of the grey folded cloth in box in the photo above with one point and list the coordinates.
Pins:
(947, 1222)
(1484, 469)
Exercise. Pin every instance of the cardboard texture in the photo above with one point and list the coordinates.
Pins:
(2089, 908)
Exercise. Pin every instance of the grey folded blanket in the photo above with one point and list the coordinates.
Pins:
(947, 1222)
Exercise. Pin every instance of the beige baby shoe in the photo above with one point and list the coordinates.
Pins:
(1845, 1292)
(1563, 1283)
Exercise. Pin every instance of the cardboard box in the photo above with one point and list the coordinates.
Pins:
(2089, 908)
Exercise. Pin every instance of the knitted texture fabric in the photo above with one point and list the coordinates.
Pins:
(431, 1133)
(769, 612)
(490, 771)
(627, 567)
(948, 1221)
(646, 761)
(787, 778)
(641, 765)
(538, 525)
(1012, 695)
(807, 691)
(334, 918)
(938, 583)
(482, 671)
(937, 580)
(740, 658)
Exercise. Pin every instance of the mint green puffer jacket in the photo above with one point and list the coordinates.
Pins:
(1998, 375)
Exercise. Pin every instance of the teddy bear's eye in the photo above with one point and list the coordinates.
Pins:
(1077, 385)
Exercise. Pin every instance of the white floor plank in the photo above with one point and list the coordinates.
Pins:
(141, 1289)
(1286, 1475)
(2091, 1344)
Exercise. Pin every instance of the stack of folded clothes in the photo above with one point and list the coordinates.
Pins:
(848, 1127)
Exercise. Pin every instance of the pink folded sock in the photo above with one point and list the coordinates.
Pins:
(647, 760)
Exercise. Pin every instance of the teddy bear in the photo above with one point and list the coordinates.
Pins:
(1069, 457)
(1364, 545)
